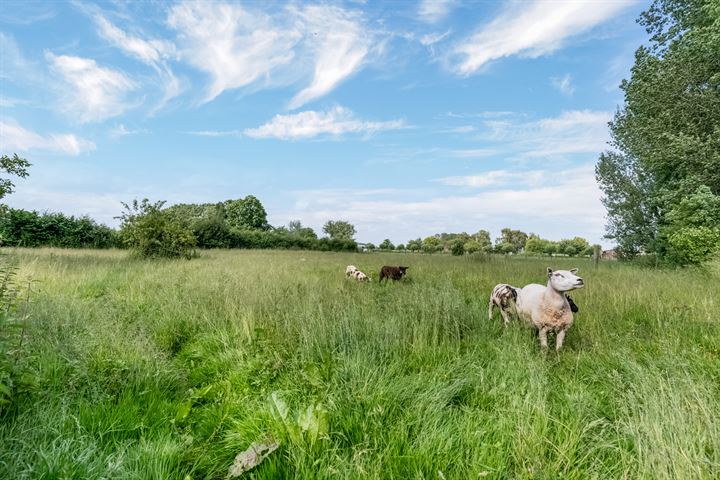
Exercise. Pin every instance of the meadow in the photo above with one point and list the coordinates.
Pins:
(168, 369)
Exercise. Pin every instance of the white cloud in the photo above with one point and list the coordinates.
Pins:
(242, 48)
(14, 137)
(572, 132)
(563, 84)
(94, 93)
(216, 133)
(121, 131)
(563, 205)
(150, 52)
(430, 39)
(433, 11)
(310, 124)
(154, 53)
(474, 153)
(235, 46)
(532, 29)
(495, 177)
(340, 46)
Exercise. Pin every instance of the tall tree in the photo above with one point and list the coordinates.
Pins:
(511, 241)
(246, 214)
(339, 229)
(666, 137)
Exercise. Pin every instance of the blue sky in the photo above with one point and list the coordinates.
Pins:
(406, 118)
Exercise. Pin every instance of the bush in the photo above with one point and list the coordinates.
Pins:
(152, 232)
(457, 248)
(693, 245)
(12, 333)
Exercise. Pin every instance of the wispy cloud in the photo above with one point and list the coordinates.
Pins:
(240, 47)
(154, 53)
(563, 84)
(340, 45)
(433, 11)
(215, 133)
(13, 137)
(93, 93)
(310, 123)
(494, 178)
(235, 46)
(531, 29)
(120, 130)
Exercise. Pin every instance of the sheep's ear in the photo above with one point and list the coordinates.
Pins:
(574, 270)
(549, 271)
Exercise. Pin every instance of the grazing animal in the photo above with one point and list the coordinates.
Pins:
(503, 297)
(360, 276)
(547, 307)
(350, 269)
(394, 273)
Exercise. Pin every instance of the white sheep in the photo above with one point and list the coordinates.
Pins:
(547, 307)
(350, 269)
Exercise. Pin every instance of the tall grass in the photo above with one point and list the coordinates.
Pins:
(168, 369)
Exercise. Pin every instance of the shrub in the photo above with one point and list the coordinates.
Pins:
(457, 248)
(152, 232)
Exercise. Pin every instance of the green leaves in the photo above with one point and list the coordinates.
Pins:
(306, 427)
(667, 135)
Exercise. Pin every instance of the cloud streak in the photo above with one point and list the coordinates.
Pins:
(531, 29)
(13, 137)
(310, 123)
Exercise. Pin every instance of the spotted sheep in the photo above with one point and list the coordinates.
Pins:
(359, 276)
(547, 307)
(350, 269)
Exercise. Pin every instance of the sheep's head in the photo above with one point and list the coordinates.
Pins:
(564, 280)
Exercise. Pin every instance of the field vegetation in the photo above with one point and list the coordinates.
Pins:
(134, 368)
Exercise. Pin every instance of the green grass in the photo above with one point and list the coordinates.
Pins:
(168, 369)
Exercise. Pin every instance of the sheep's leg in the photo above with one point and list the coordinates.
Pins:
(491, 304)
(504, 314)
(543, 337)
(560, 339)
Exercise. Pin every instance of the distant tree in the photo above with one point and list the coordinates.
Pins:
(511, 241)
(370, 246)
(12, 166)
(387, 245)
(473, 246)
(296, 228)
(457, 247)
(431, 244)
(414, 245)
(151, 232)
(339, 230)
(535, 244)
(483, 238)
(400, 247)
(246, 214)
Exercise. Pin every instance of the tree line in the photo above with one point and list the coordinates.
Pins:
(510, 242)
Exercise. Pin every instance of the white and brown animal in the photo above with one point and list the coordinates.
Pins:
(503, 297)
(359, 276)
(547, 307)
(350, 269)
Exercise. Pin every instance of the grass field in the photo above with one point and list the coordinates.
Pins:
(168, 369)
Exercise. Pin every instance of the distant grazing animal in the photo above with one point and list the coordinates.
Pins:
(394, 273)
(350, 269)
(547, 307)
(359, 276)
(503, 297)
